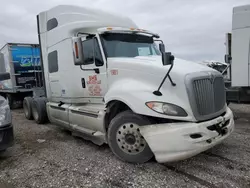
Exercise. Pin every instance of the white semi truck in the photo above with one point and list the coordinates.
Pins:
(238, 56)
(107, 82)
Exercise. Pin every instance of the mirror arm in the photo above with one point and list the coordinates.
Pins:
(167, 75)
(170, 79)
(97, 70)
(157, 92)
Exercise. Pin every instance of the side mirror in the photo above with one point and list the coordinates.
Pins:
(228, 59)
(77, 50)
(168, 58)
(162, 48)
(4, 76)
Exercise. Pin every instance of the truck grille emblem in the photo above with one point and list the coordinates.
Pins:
(211, 77)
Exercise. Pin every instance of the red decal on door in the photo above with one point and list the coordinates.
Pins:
(93, 80)
(94, 86)
(94, 90)
(114, 72)
(97, 90)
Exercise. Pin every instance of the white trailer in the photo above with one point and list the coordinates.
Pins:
(238, 56)
(106, 81)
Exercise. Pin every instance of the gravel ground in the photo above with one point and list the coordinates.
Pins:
(45, 156)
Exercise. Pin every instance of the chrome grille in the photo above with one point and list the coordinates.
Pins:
(219, 94)
(204, 99)
(207, 95)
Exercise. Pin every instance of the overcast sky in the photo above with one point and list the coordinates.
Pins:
(191, 29)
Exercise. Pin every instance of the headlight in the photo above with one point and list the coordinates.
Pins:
(5, 115)
(166, 108)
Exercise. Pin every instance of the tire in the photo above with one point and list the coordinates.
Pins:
(39, 112)
(10, 99)
(27, 107)
(120, 140)
(2, 151)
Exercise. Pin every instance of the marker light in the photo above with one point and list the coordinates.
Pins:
(76, 50)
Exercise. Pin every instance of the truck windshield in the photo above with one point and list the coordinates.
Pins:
(128, 45)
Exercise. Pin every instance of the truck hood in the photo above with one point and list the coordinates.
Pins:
(133, 80)
(153, 65)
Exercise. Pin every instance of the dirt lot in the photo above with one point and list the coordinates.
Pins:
(45, 156)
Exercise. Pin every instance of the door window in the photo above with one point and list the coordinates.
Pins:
(53, 62)
(91, 52)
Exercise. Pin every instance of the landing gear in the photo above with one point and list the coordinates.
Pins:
(125, 140)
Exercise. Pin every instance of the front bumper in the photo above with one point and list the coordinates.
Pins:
(6, 137)
(177, 141)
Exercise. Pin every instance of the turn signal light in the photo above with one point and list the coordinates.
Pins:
(76, 50)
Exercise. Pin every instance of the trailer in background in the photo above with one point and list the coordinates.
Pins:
(237, 72)
(22, 62)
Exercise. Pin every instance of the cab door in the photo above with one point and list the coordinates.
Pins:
(94, 78)
(84, 117)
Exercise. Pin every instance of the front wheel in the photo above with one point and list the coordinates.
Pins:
(125, 140)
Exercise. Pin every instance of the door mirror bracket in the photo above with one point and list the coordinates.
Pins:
(97, 70)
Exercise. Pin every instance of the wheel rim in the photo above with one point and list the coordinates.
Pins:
(35, 113)
(129, 139)
(25, 108)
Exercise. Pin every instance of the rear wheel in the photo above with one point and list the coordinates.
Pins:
(39, 110)
(27, 107)
(125, 140)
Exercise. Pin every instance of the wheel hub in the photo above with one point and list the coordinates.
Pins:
(129, 139)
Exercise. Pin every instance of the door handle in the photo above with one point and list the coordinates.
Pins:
(83, 83)
(97, 70)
